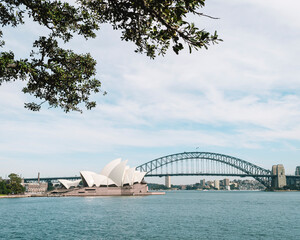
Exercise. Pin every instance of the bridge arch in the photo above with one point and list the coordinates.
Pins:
(237, 167)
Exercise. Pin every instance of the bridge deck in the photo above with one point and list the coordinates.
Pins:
(49, 179)
(205, 174)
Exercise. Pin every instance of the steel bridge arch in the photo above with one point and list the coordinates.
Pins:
(260, 174)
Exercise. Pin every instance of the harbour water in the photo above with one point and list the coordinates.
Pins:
(176, 215)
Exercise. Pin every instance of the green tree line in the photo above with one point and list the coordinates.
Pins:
(11, 186)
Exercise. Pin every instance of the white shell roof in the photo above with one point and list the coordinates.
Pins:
(99, 179)
(94, 179)
(129, 176)
(114, 173)
(67, 183)
(88, 177)
(110, 166)
(138, 176)
(117, 173)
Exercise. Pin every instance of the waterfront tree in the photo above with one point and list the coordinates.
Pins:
(14, 185)
(50, 187)
(155, 186)
(3, 188)
(62, 78)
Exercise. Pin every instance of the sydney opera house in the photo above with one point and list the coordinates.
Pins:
(115, 179)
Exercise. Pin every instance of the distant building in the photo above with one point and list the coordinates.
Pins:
(217, 184)
(297, 172)
(36, 187)
(226, 182)
(210, 183)
(221, 182)
(202, 182)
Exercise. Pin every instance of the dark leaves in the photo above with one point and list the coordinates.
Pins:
(62, 78)
(154, 25)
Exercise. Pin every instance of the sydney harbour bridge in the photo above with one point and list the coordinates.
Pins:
(205, 164)
(200, 164)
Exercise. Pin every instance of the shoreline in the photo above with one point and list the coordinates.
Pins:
(138, 194)
(288, 190)
(15, 196)
(63, 195)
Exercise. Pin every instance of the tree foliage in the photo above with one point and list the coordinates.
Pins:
(13, 186)
(3, 188)
(65, 79)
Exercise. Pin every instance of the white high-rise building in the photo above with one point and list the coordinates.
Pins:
(217, 184)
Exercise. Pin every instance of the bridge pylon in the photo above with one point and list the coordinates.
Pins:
(168, 181)
(279, 181)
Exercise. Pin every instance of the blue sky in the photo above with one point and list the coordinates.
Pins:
(240, 97)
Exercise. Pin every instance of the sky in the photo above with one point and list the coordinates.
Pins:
(240, 98)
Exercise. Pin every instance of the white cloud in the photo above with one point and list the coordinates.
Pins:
(287, 11)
